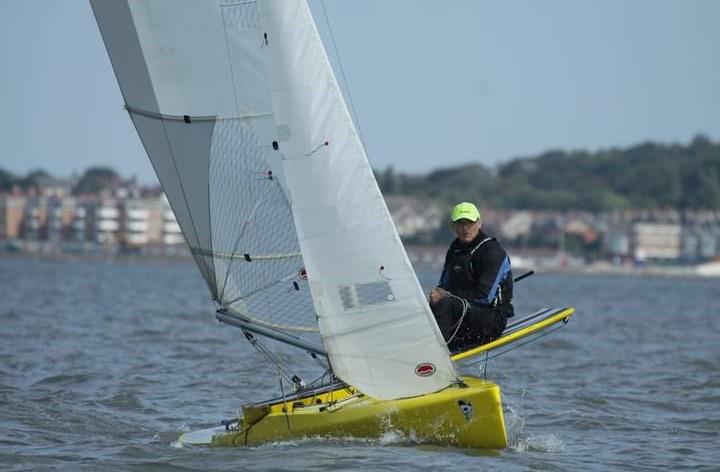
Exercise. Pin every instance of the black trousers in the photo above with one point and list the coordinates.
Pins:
(479, 325)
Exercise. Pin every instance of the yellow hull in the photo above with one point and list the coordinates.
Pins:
(468, 416)
(461, 416)
(562, 315)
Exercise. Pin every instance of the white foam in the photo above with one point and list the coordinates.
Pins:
(542, 443)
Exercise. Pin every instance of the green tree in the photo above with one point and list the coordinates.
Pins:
(96, 179)
(7, 180)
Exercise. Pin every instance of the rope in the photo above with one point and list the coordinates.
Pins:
(466, 308)
(282, 372)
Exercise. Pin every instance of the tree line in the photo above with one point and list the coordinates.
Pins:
(93, 180)
(648, 175)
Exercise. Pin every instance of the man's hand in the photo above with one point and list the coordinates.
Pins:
(436, 295)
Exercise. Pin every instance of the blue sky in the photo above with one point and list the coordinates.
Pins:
(434, 83)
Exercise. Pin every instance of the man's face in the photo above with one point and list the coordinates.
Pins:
(466, 230)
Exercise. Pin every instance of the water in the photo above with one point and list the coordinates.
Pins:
(103, 365)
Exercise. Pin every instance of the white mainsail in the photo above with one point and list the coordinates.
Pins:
(195, 86)
(243, 120)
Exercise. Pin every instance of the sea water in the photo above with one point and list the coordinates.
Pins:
(104, 363)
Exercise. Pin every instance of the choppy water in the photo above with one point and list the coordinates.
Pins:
(103, 365)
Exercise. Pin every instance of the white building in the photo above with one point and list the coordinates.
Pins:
(171, 233)
(656, 240)
(107, 222)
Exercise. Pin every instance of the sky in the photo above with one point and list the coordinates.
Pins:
(433, 84)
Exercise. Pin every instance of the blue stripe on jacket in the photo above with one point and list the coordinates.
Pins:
(502, 273)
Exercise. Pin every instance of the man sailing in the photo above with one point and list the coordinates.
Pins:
(473, 299)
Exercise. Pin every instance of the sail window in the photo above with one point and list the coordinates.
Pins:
(359, 295)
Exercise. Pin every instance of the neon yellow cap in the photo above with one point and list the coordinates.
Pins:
(465, 211)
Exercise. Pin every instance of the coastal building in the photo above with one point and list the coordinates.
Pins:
(60, 216)
(616, 242)
(80, 229)
(171, 233)
(660, 241)
(517, 225)
(12, 213)
(412, 215)
(34, 219)
(136, 226)
(106, 222)
(700, 242)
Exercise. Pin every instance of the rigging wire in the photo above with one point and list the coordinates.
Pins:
(353, 110)
(487, 357)
(282, 371)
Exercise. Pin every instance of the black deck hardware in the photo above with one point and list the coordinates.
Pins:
(525, 275)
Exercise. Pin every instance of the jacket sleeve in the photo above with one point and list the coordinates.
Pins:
(490, 266)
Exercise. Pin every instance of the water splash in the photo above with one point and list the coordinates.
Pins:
(542, 443)
(515, 418)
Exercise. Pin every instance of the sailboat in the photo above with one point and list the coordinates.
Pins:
(240, 113)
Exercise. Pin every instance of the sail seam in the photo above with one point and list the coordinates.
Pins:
(184, 118)
(276, 325)
(233, 255)
(229, 61)
(247, 2)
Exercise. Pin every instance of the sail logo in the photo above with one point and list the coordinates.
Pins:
(426, 369)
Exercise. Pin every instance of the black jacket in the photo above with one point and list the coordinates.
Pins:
(478, 272)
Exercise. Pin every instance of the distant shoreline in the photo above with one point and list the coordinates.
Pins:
(421, 264)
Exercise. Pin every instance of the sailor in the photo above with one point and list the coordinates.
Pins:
(472, 302)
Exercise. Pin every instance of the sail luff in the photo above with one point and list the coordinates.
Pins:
(376, 325)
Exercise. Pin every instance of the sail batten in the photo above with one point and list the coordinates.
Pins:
(191, 118)
(242, 256)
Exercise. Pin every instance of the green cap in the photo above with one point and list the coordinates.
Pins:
(465, 211)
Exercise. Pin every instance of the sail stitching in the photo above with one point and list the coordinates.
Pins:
(279, 326)
(237, 256)
(247, 2)
(230, 65)
(191, 118)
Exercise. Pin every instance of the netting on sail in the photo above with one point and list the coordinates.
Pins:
(257, 261)
(234, 213)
